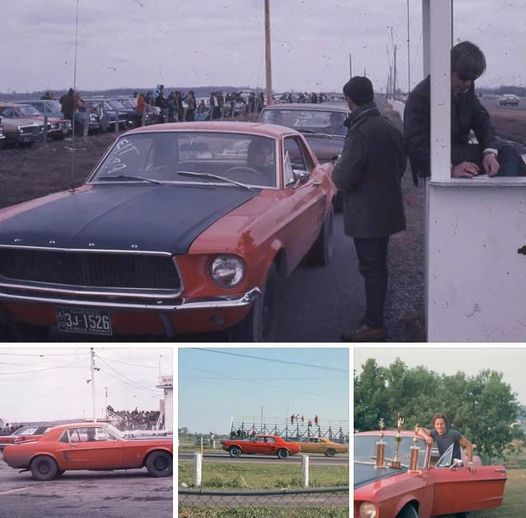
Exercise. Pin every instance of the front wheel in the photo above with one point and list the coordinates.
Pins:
(261, 324)
(321, 252)
(159, 464)
(44, 468)
(331, 452)
(282, 453)
(235, 451)
(408, 511)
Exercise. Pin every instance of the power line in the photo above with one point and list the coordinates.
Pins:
(287, 362)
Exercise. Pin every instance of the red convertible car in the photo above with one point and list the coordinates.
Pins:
(261, 445)
(181, 228)
(89, 446)
(430, 490)
(22, 434)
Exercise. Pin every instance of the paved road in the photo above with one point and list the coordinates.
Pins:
(268, 459)
(85, 494)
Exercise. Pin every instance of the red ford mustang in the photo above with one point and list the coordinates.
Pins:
(89, 446)
(426, 492)
(261, 445)
(182, 228)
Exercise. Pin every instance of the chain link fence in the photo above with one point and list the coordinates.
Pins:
(324, 502)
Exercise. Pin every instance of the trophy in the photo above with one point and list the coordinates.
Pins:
(395, 463)
(380, 447)
(415, 451)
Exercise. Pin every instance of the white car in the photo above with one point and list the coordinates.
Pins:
(509, 99)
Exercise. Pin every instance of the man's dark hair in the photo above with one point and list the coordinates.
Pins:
(467, 60)
(359, 89)
(440, 416)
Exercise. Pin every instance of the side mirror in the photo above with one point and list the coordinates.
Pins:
(301, 176)
(457, 463)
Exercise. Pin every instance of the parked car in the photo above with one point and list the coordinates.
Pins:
(22, 434)
(261, 445)
(56, 127)
(108, 112)
(2, 136)
(181, 228)
(322, 445)
(509, 100)
(60, 127)
(89, 446)
(18, 130)
(321, 124)
(430, 490)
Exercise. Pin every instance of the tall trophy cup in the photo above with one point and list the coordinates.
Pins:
(380, 447)
(415, 451)
(395, 463)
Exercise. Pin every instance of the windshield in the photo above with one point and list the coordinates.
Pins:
(116, 105)
(365, 449)
(330, 122)
(28, 111)
(192, 157)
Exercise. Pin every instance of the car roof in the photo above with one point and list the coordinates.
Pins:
(253, 128)
(323, 107)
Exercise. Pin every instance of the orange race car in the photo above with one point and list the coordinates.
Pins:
(89, 446)
(181, 228)
(261, 445)
(322, 445)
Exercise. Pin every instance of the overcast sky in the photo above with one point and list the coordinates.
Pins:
(449, 360)
(51, 383)
(217, 384)
(139, 43)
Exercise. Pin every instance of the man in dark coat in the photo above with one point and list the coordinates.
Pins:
(67, 102)
(369, 171)
(490, 156)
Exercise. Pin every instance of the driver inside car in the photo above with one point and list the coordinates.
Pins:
(260, 156)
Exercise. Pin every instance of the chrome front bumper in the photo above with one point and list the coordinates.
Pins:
(179, 305)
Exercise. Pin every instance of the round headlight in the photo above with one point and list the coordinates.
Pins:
(227, 271)
(367, 510)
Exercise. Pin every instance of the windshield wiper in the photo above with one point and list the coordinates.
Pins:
(215, 177)
(126, 178)
(315, 132)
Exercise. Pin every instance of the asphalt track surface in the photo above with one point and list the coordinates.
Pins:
(85, 494)
(269, 459)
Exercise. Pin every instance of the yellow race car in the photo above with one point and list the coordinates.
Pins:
(322, 445)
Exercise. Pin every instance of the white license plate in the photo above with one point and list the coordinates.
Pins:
(82, 320)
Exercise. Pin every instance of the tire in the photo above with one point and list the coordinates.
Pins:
(235, 451)
(282, 453)
(408, 511)
(159, 464)
(22, 332)
(321, 252)
(43, 468)
(261, 324)
(331, 452)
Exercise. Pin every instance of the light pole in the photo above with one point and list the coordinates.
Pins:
(268, 59)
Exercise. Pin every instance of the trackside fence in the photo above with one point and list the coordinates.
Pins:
(275, 503)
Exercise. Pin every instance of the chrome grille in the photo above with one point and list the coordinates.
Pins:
(90, 269)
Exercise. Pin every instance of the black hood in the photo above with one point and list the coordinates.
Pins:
(325, 148)
(137, 217)
(367, 473)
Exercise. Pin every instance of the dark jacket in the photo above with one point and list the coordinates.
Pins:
(67, 102)
(467, 113)
(370, 170)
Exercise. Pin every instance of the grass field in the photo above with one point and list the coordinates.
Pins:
(247, 475)
(262, 512)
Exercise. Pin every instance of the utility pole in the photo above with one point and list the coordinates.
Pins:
(408, 53)
(92, 362)
(268, 60)
(350, 64)
(394, 74)
(106, 401)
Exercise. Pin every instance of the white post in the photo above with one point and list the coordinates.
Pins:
(305, 470)
(440, 17)
(198, 469)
